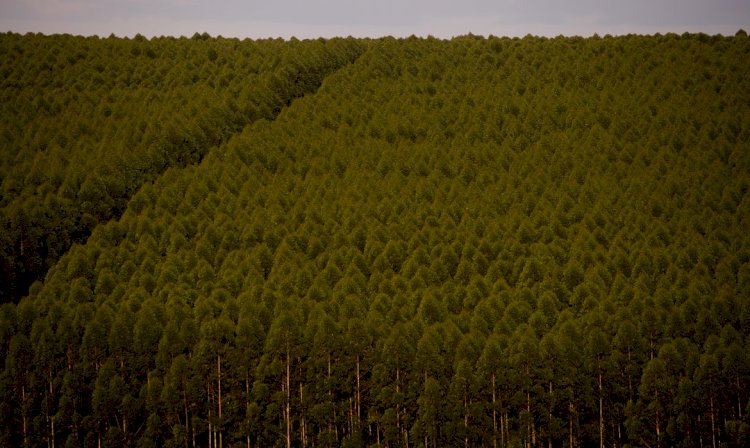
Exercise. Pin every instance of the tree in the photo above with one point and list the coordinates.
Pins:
(323, 365)
(121, 336)
(597, 354)
(627, 342)
(706, 381)
(648, 422)
(282, 350)
(147, 333)
(250, 336)
(20, 356)
(396, 356)
(523, 351)
(428, 422)
(217, 338)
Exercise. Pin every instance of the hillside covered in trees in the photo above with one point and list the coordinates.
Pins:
(88, 121)
(395, 242)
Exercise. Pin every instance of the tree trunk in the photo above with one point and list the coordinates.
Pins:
(494, 414)
(247, 401)
(466, 420)
(218, 372)
(713, 420)
(570, 423)
(377, 433)
(739, 399)
(359, 395)
(651, 346)
(529, 424)
(398, 403)
(192, 432)
(352, 416)
(23, 415)
(288, 400)
(50, 418)
(303, 424)
(507, 429)
(332, 424)
(531, 435)
(187, 419)
(601, 411)
(616, 436)
(210, 430)
(549, 417)
(658, 427)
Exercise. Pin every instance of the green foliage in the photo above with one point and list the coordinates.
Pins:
(88, 121)
(474, 242)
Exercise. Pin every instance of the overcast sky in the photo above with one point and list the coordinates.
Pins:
(327, 18)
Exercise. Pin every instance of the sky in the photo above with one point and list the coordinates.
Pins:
(398, 18)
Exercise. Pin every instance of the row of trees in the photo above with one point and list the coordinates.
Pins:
(475, 242)
(325, 377)
(89, 120)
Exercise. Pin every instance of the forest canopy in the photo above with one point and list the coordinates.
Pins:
(392, 242)
(89, 120)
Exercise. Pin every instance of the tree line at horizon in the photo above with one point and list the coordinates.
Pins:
(475, 242)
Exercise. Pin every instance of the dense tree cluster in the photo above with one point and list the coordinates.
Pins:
(87, 121)
(475, 242)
